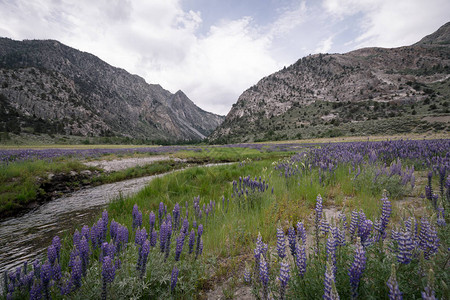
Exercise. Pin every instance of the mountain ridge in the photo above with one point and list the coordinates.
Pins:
(79, 94)
(321, 95)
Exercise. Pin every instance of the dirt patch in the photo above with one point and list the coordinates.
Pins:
(125, 163)
(443, 119)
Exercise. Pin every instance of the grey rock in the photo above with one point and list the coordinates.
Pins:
(377, 74)
(47, 87)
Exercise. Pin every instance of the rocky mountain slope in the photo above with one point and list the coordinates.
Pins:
(47, 87)
(367, 91)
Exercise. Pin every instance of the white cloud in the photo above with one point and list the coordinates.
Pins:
(325, 45)
(386, 23)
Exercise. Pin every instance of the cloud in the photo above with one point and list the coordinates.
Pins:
(325, 45)
(386, 23)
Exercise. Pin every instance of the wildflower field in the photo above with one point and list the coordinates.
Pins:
(356, 220)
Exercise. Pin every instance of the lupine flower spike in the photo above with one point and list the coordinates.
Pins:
(394, 291)
(108, 273)
(174, 279)
(330, 291)
(264, 275)
(357, 268)
(281, 245)
(284, 278)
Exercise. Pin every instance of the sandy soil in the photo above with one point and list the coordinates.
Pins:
(125, 163)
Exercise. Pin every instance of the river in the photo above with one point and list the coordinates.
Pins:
(27, 237)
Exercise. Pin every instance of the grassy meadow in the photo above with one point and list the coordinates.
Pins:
(360, 219)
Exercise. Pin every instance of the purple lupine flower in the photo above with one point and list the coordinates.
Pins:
(247, 275)
(386, 211)
(56, 242)
(46, 276)
(357, 268)
(108, 249)
(331, 252)
(281, 246)
(84, 254)
(76, 238)
(176, 215)
(292, 239)
(440, 220)
(35, 292)
(143, 256)
(185, 227)
(191, 241)
(37, 268)
(301, 232)
(330, 292)
(324, 227)
(354, 221)
(105, 218)
(85, 232)
(168, 237)
(137, 217)
(300, 259)
(51, 254)
(122, 237)
(140, 237)
(179, 246)
(75, 276)
(394, 291)
(160, 213)
(318, 209)
(152, 220)
(134, 214)
(318, 218)
(56, 272)
(200, 250)
(405, 247)
(174, 279)
(429, 294)
(163, 236)
(153, 238)
(263, 274)
(108, 273)
(94, 236)
(113, 228)
(364, 231)
(428, 240)
(283, 278)
(118, 263)
(199, 236)
(340, 238)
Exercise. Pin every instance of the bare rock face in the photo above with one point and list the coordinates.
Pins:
(47, 87)
(320, 88)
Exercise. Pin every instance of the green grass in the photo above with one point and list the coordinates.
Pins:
(20, 180)
(230, 233)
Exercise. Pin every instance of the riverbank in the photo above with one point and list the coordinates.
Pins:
(48, 186)
(26, 184)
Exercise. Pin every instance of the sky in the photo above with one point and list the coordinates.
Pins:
(213, 50)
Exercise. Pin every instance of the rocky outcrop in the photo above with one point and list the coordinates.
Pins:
(46, 86)
(331, 85)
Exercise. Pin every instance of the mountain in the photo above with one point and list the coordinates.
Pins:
(367, 91)
(47, 87)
